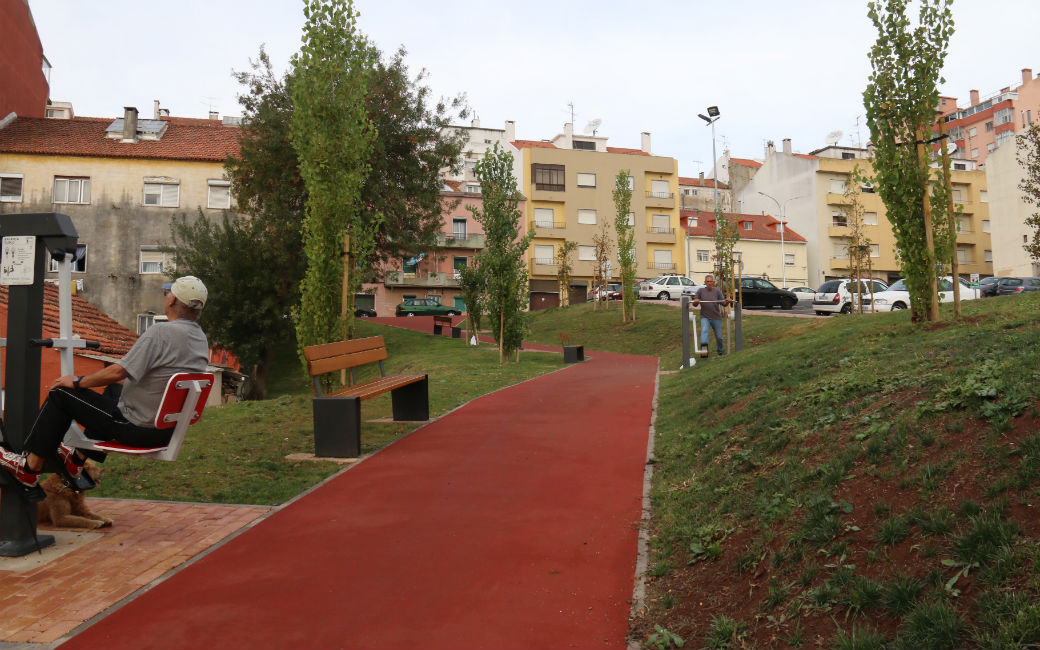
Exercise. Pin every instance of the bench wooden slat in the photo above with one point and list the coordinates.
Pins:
(340, 355)
(332, 364)
(377, 386)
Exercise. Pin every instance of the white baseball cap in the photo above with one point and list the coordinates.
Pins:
(190, 290)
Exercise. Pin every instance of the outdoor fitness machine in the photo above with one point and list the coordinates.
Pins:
(29, 241)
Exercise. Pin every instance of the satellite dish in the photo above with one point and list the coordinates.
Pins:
(951, 147)
(593, 125)
(834, 136)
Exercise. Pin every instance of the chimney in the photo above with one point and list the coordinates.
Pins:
(510, 130)
(155, 109)
(568, 129)
(974, 96)
(129, 124)
(1027, 75)
(214, 115)
(787, 146)
(770, 148)
(475, 123)
(702, 176)
(644, 141)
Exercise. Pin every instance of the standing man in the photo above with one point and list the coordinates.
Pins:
(164, 350)
(710, 299)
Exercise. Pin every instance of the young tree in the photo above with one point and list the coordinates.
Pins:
(858, 242)
(564, 268)
(333, 147)
(1028, 155)
(502, 261)
(604, 250)
(626, 244)
(473, 286)
(900, 100)
(726, 237)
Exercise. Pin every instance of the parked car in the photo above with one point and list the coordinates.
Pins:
(803, 293)
(425, 307)
(611, 291)
(756, 292)
(666, 287)
(837, 296)
(898, 296)
(988, 286)
(1011, 286)
(364, 312)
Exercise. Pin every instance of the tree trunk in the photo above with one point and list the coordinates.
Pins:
(258, 378)
(932, 313)
(954, 262)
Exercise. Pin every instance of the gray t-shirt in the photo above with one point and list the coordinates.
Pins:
(162, 351)
(710, 310)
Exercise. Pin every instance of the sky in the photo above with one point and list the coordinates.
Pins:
(776, 70)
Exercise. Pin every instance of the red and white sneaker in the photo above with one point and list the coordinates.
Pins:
(15, 466)
(73, 465)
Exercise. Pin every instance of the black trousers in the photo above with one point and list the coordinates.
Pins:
(97, 414)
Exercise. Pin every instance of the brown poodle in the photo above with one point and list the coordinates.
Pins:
(67, 508)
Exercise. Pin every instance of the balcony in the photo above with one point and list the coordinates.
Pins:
(838, 199)
(474, 241)
(422, 279)
(838, 229)
(660, 200)
(660, 235)
(661, 266)
(543, 266)
(548, 229)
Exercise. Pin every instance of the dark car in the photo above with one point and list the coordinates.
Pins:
(756, 292)
(988, 286)
(1011, 286)
(364, 312)
(425, 307)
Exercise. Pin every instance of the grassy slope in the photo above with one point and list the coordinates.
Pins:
(236, 453)
(868, 482)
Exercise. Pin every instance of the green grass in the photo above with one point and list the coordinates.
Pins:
(236, 453)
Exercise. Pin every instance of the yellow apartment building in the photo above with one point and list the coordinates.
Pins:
(569, 185)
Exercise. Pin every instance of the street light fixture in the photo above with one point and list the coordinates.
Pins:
(713, 111)
(783, 226)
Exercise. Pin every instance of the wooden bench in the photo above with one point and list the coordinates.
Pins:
(337, 415)
(440, 321)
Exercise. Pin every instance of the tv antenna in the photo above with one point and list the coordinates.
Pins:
(593, 126)
(834, 136)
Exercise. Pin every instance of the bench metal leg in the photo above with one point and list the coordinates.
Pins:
(412, 402)
(437, 329)
(337, 427)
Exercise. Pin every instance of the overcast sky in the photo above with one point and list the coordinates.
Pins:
(793, 69)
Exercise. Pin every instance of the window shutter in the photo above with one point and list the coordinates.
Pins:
(170, 195)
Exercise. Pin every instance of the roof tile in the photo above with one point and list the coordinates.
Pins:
(763, 226)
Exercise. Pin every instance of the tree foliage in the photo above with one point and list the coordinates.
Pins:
(626, 244)
(564, 268)
(726, 237)
(503, 260)
(603, 248)
(473, 286)
(1028, 155)
(901, 99)
(858, 242)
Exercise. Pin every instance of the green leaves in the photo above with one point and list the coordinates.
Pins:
(626, 243)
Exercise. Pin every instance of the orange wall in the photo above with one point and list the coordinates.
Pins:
(23, 87)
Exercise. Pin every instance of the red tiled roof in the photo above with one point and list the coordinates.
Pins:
(88, 322)
(533, 144)
(806, 156)
(456, 186)
(701, 182)
(745, 162)
(763, 226)
(634, 152)
(185, 139)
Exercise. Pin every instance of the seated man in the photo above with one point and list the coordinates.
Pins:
(162, 351)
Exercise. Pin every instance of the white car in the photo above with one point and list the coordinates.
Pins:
(804, 293)
(666, 287)
(898, 296)
(838, 296)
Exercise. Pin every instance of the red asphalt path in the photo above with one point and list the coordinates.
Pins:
(508, 523)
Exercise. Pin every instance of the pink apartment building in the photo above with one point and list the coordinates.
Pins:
(987, 123)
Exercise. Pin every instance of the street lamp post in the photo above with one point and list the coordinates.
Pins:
(713, 112)
(783, 226)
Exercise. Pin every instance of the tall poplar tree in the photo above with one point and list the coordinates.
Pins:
(901, 99)
(503, 261)
(332, 135)
(626, 244)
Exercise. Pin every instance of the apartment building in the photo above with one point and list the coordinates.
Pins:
(1009, 210)
(25, 73)
(812, 189)
(767, 249)
(989, 122)
(122, 181)
(569, 183)
(699, 194)
(479, 139)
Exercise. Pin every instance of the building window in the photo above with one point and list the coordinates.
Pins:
(870, 219)
(154, 260)
(983, 196)
(163, 193)
(219, 197)
(975, 153)
(1003, 116)
(584, 145)
(661, 223)
(964, 255)
(144, 321)
(587, 217)
(544, 254)
(71, 190)
(991, 147)
(586, 180)
(988, 256)
(972, 132)
(1004, 136)
(841, 251)
(958, 194)
(837, 186)
(79, 261)
(631, 218)
(985, 225)
(839, 219)
(960, 166)
(875, 250)
(632, 183)
(660, 189)
(663, 260)
(788, 259)
(847, 155)
(543, 217)
(587, 253)
(458, 228)
(748, 225)
(11, 188)
(989, 126)
(457, 264)
(703, 256)
(549, 177)
(692, 221)
(867, 188)
(472, 188)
